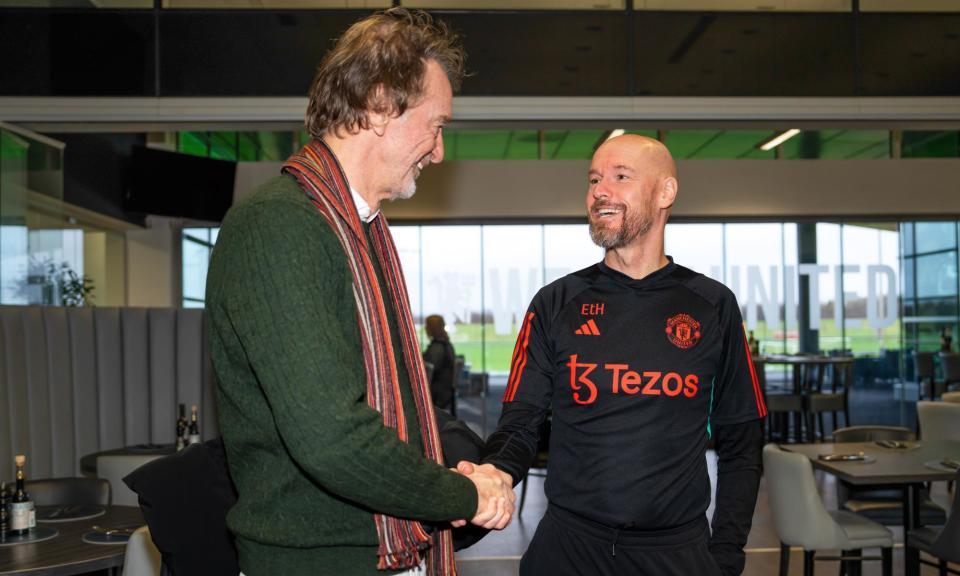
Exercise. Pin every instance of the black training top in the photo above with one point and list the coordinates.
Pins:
(637, 372)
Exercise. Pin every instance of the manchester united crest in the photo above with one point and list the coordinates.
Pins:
(683, 331)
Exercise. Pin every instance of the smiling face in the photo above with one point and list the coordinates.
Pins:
(414, 139)
(631, 185)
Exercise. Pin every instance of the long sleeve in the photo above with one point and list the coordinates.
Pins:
(513, 446)
(739, 467)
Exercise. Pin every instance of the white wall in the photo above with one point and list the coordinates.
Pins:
(152, 264)
(709, 189)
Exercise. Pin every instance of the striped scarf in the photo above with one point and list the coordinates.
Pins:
(402, 542)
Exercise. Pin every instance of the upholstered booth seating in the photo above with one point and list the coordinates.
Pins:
(82, 380)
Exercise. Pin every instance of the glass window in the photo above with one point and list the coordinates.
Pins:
(870, 260)
(754, 259)
(407, 240)
(196, 247)
(697, 246)
(909, 278)
(827, 311)
(906, 237)
(930, 144)
(567, 248)
(933, 236)
(790, 343)
(452, 285)
(513, 272)
(937, 275)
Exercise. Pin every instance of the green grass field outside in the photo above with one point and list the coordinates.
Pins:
(468, 339)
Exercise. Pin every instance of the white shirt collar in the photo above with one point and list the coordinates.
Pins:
(363, 209)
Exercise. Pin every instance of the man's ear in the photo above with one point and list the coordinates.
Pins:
(668, 192)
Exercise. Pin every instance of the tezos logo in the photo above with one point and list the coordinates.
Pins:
(683, 331)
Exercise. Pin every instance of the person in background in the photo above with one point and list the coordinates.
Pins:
(322, 396)
(440, 353)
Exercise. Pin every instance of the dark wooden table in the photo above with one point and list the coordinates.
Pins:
(904, 469)
(67, 553)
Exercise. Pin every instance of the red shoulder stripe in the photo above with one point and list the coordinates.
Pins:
(757, 392)
(519, 359)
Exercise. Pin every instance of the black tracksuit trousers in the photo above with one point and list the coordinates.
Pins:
(567, 544)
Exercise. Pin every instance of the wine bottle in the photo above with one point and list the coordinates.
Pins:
(194, 436)
(4, 517)
(181, 428)
(22, 514)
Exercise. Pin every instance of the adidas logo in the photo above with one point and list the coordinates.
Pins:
(588, 329)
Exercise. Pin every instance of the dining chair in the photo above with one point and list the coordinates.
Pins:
(925, 374)
(185, 498)
(69, 491)
(781, 407)
(941, 543)
(939, 420)
(141, 557)
(834, 401)
(950, 367)
(802, 520)
(878, 504)
(953, 397)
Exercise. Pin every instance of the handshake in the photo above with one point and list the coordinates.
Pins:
(495, 495)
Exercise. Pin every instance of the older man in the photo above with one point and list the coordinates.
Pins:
(322, 397)
(642, 361)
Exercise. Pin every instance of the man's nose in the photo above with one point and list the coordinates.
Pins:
(436, 155)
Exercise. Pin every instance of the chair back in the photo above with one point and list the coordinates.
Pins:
(141, 557)
(947, 545)
(69, 491)
(953, 397)
(950, 365)
(798, 512)
(113, 467)
(185, 498)
(939, 420)
(923, 364)
(872, 433)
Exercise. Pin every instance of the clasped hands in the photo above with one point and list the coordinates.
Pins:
(495, 495)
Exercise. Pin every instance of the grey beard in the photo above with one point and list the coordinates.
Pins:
(631, 228)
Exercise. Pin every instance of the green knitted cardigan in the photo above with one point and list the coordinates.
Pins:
(310, 459)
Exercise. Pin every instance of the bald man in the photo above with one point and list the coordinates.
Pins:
(642, 362)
